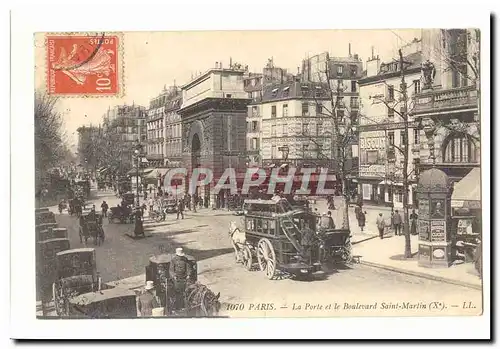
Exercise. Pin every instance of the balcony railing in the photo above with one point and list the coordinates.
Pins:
(455, 98)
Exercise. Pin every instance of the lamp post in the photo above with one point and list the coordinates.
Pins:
(137, 153)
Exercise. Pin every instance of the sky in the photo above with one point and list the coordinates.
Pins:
(155, 59)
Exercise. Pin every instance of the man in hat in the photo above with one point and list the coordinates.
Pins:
(147, 301)
(180, 272)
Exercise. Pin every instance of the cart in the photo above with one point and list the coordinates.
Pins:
(46, 265)
(76, 274)
(283, 239)
(91, 226)
(114, 303)
(122, 214)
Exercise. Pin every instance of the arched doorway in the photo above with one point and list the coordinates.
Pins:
(195, 163)
(195, 151)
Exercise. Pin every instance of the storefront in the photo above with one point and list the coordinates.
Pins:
(466, 215)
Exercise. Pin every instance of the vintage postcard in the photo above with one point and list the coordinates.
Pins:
(216, 174)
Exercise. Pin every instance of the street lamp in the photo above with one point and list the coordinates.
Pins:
(137, 157)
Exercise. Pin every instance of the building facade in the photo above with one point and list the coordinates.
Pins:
(124, 126)
(294, 124)
(173, 131)
(448, 103)
(213, 114)
(254, 85)
(164, 129)
(382, 130)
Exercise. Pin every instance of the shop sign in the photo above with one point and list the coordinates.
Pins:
(423, 230)
(464, 226)
(423, 208)
(372, 171)
(424, 252)
(438, 231)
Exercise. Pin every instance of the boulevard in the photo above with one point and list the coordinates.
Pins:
(204, 235)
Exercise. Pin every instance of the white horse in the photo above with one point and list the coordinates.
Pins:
(238, 238)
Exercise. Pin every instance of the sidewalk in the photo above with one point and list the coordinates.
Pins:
(389, 254)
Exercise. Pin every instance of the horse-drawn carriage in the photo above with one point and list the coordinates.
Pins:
(124, 214)
(75, 206)
(76, 271)
(91, 226)
(285, 240)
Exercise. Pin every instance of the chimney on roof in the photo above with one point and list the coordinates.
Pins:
(373, 52)
(349, 50)
(216, 64)
(230, 62)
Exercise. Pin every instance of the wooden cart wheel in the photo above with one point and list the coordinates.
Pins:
(247, 257)
(266, 257)
(347, 253)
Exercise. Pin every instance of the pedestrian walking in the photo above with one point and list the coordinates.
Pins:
(413, 218)
(362, 220)
(397, 220)
(195, 201)
(104, 208)
(151, 204)
(147, 301)
(381, 225)
(331, 223)
(139, 226)
(180, 208)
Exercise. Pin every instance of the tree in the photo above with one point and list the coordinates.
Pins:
(342, 134)
(51, 147)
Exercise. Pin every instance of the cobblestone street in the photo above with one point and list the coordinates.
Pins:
(204, 235)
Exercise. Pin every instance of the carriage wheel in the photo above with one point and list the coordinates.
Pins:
(347, 254)
(247, 257)
(266, 258)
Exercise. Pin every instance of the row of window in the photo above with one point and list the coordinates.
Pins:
(307, 151)
(307, 129)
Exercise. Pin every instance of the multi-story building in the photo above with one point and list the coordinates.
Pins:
(155, 130)
(164, 129)
(254, 85)
(124, 126)
(293, 124)
(449, 99)
(213, 114)
(173, 131)
(382, 131)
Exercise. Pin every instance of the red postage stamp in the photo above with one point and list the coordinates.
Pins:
(80, 64)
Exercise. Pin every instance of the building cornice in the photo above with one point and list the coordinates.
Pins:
(385, 76)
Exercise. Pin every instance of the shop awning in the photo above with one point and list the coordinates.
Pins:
(389, 182)
(144, 171)
(157, 172)
(467, 191)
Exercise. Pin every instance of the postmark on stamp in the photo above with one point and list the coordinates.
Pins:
(80, 64)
